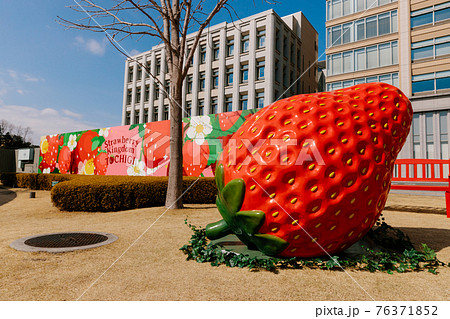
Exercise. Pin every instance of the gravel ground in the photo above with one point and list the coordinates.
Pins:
(145, 263)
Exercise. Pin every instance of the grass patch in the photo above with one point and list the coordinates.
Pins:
(397, 255)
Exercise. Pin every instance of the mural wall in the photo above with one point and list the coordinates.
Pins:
(140, 149)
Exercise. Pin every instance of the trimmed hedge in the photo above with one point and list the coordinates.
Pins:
(114, 193)
(33, 180)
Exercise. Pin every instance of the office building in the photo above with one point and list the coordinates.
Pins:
(246, 64)
(405, 43)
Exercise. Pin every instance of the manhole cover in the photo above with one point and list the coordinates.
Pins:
(63, 242)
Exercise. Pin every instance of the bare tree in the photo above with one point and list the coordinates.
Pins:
(14, 136)
(170, 21)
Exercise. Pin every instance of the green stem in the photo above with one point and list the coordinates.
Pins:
(218, 230)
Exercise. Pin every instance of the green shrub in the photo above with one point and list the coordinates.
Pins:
(8, 179)
(34, 181)
(114, 193)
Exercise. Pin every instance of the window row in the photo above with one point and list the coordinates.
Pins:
(431, 82)
(391, 78)
(430, 15)
(430, 48)
(380, 55)
(340, 8)
(430, 135)
(369, 27)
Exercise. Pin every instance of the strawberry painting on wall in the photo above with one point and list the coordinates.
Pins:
(140, 149)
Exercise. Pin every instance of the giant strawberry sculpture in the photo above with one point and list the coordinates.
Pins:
(310, 175)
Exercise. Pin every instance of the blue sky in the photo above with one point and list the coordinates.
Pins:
(56, 80)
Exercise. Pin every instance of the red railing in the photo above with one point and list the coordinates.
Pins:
(423, 175)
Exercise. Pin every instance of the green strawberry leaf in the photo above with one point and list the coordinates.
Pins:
(218, 230)
(250, 221)
(219, 177)
(133, 126)
(233, 194)
(269, 244)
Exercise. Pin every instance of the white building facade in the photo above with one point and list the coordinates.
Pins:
(402, 42)
(242, 65)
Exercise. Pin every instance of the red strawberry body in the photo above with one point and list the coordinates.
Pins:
(101, 163)
(319, 171)
(64, 160)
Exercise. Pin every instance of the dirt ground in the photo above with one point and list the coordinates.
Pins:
(145, 263)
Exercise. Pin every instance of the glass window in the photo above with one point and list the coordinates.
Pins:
(189, 81)
(372, 57)
(243, 101)
(147, 93)
(429, 136)
(422, 86)
(385, 78)
(360, 30)
(145, 115)
(229, 103)
(360, 59)
(422, 19)
(416, 135)
(155, 114)
(215, 78)
(336, 63)
(188, 109)
(444, 137)
(385, 54)
(336, 8)
(216, 50)
(336, 35)
(347, 84)
(203, 53)
(158, 67)
(394, 52)
(244, 73)
(201, 81)
(214, 103)
(360, 5)
(156, 92)
(347, 6)
(130, 74)
(421, 53)
(136, 117)
(395, 81)
(443, 80)
(443, 49)
(260, 65)
(245, 43)
(441, 15)
(230, 47)
(167, 87)
(372, 79)
(129, 96)
(370, 4)
(329, 43)
(139, 73)
(348, 61)
(277, 40)
(347, 31)
(260, 99)
(261, 38)
(371, 27)
(166, 113)
(138, 95)
(229, 76)
(394, 21)
(384, 24)
(201, 107)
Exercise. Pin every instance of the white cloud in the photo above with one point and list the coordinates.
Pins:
(30, 78)
(134, 52)
(72, 114)
(21, 92)
(44, 121)
(91, 45)
(13, 74)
